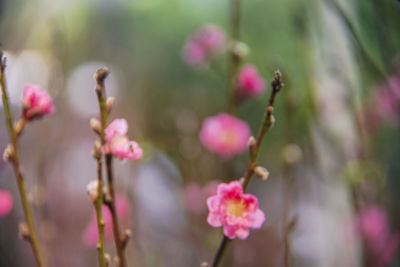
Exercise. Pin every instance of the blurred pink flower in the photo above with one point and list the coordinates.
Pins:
(118, 127)
(373, 225)
(234, 210)
(387, 107)
(207, 42)
(6, 203)
(119, 144)
(36, 103)
(225, 135)
(91, 235)
(249, 82)
(195, 196)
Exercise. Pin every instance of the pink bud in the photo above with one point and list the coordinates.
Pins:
(249, 82)
(6, 203)
(36, 103)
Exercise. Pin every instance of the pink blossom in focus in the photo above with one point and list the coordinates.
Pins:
(249, 82)
(36, 103)
(6, 203)
(195, 196)
(373, 226)
(225, 135)
(203, 45)
(234, 210)
(119, 144)
(91, 235)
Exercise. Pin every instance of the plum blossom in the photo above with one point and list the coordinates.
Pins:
(119, 144)
(202, 46)
(36, 103)
(249, 82)
(235, 211)
(91, 235)
(194, 196)
(373, 225)
(6, 203)
(225, 135)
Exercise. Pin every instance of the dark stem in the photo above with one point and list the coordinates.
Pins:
(268, 121)
(33, 240)
(221, 250)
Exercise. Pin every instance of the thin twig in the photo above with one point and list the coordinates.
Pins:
(99, 204)
(234, 58)
(267, 123)
(100, 76)
(14, 159)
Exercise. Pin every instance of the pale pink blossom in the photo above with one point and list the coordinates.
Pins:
(36, 103)
(119, 144)
(195, 196)
(225, 135)
(249, 82)
(91, 235)
(6, 203)
(373, 225)
(235, 211)
(118, 127)
(202, 46)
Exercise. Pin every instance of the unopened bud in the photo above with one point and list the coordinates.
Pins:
(101, 74)
(204, 264)
(93, 190)
(95, 125)
(107, 257)
(23, 231)
(19, 126)
(241, 180)
(261, 172)
(126, 237)
(8, 153)
(96, 149)
(240, 49)
(251, 142)
(109, 103)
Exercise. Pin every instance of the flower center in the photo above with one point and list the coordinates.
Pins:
(229, 138)
(236, 208)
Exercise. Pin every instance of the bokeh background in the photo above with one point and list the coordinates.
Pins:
(332, 154)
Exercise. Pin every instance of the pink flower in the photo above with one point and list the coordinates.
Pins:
(234, 210)
(119, 144)
(36, 103)
(118, 127)
(249, 82)
(225, 135)
(91, 235)
(195, 196)
(6, 203)
(206, 43)
(373, 226)
(387, 107)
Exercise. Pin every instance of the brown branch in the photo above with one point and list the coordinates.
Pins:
(11, 154)
(254, 147)
(100, 76)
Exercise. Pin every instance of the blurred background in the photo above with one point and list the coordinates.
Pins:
(333, 194)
